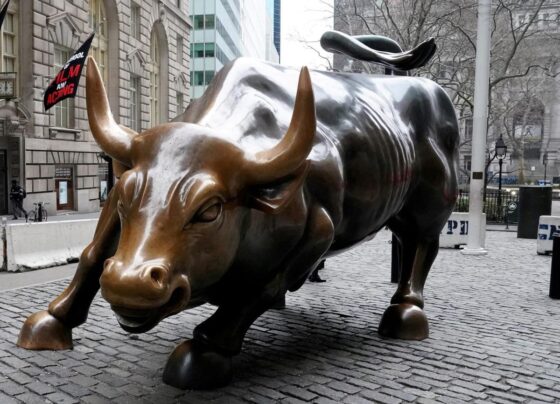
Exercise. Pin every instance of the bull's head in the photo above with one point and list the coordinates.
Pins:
(182, 195)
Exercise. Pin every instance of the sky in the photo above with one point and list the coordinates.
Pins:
(303, 23)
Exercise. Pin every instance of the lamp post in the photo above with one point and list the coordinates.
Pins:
(500, 151)
(475, 244)
(544, 161)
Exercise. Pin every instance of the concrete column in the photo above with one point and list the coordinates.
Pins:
(475, 244)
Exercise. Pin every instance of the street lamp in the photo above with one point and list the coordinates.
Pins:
(501, 149)
(544, 161)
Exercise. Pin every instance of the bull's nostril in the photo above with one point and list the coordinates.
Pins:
(158, 275)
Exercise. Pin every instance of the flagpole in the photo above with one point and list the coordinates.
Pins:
(475, 243)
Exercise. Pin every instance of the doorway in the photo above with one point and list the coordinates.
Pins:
(64, 185)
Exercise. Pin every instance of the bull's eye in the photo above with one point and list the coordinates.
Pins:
(209, 213)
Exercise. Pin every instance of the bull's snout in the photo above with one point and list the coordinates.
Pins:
(142, 295)
(149, 285)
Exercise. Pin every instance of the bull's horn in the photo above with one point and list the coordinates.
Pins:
(111, 138)
(291, 152)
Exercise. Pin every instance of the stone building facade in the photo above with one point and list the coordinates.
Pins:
(142, 49)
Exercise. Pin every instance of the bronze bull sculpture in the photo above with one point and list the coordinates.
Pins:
(236, 201)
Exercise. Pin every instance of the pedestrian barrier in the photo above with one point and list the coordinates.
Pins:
(548, 226)
(39, 245)
(456, 233)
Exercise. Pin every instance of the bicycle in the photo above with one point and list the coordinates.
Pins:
(39, 212)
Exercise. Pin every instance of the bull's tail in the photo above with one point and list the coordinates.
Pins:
(379, 49)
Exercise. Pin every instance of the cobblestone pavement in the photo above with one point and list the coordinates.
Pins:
(495, 337)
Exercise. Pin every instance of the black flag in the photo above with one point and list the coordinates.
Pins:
(66, 82)
(3, 12)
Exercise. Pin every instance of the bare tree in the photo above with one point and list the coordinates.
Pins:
(524, 55)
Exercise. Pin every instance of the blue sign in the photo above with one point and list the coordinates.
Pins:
(547, 231)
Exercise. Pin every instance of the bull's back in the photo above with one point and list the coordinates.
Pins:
(369, 129)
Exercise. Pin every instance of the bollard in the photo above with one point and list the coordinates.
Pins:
(394, 259)
(555, 268)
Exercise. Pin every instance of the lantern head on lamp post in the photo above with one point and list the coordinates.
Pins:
(500, 149)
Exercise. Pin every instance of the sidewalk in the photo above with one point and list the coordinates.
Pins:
(69, 215)
(512, 228)
(494, 338)
(16, 280)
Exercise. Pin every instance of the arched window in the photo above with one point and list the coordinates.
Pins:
(9, 45)
(154, 80)
(159, 75)
(99, 46)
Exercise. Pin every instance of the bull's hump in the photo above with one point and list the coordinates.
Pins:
(250, 102)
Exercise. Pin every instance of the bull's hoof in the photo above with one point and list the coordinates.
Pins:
(279, 303)
(404, 321)
(193, 365)
(41, 330)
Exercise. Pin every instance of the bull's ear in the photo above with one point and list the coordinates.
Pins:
(271, 198)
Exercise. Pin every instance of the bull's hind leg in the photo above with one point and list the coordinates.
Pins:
(206, 360)
(52, 328)
(404, 318)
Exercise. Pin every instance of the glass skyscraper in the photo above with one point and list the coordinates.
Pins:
(216, 39)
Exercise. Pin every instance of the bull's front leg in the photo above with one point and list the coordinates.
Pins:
(206, 360)
(52, 329)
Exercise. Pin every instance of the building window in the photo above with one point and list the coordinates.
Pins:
(467, 163)
(209, 50)
(197, 50)
(180, 46)
(204, 21)
(154, 81)
(135, 20)
(99, 46)
(198, 22)
(221, 56)
(180, 102)
(201, 78)
(222, 31)
(198, 78)
(468, 128)
(135, 114)
(9, 43)
(63, 110)
(232, 15)
(209, 21)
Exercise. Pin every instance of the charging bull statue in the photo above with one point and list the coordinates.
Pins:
(238, 199)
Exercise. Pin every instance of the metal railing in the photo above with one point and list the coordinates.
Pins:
(503, 209)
